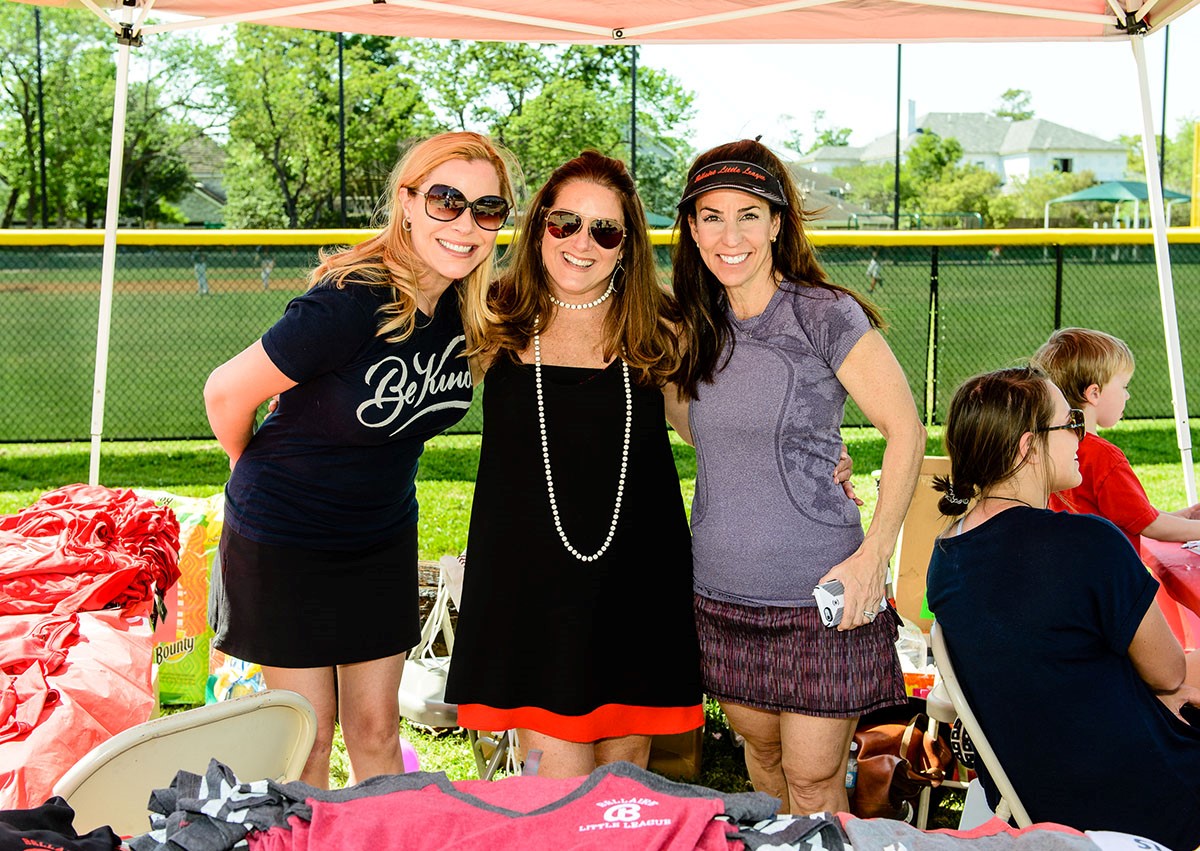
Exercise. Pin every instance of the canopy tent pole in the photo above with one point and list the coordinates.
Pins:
(108, 261)
(1166, 289)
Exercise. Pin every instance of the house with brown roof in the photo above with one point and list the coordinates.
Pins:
(825, 198)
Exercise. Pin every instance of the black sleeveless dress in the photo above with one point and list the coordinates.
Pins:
(577, 650)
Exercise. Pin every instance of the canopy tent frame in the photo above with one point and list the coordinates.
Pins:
(1166, 285)
(711, 21)
(1119, 19)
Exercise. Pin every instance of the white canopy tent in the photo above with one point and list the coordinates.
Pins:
(668, 21)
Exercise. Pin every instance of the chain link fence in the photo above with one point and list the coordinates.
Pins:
(184, 304)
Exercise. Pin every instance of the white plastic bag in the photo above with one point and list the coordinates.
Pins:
(912, 647)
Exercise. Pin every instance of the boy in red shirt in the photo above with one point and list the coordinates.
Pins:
(1093, 370)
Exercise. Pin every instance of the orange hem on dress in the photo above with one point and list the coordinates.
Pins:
(604, 722)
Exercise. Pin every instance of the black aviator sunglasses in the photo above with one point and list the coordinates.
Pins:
(1075, 423)
(445, 204)
(607, 233)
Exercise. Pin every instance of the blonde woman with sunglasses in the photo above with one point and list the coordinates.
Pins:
(1052, 626)
(318, 573)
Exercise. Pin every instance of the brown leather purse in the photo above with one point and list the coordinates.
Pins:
(895, 762)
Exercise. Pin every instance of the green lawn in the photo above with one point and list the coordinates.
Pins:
(447, 473)
(445, 484)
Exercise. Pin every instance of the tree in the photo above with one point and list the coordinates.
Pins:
(253, 196)
(154, 175)
(941, 184)
(1026, 199)
(174, 102)
(1016, 104)
(930, 157)
(77, 76)
(874, 186)
(544, 140)
(548, 103)
(1177, 173)
(962, 189)
(823, 136)
(166, 108)
(663, 148)
(486, 85)
(931, 181)
(283, 90)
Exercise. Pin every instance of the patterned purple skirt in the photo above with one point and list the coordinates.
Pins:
(785, 660)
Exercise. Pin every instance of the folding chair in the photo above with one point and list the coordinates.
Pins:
(423, 685)
(1010, 805)
(261, 736)
(920, 528)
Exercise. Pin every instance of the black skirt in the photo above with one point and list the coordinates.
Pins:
(291, 607)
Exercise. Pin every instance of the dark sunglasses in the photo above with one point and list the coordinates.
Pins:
(607, 233)
(1074, 422)
(445, 204)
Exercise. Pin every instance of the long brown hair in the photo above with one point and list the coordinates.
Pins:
(987, 417)
(388, 259)
(637, 325)
(703, 300)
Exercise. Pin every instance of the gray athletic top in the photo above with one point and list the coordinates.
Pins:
(768, 520)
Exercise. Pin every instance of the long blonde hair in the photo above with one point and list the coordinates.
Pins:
(388, 259)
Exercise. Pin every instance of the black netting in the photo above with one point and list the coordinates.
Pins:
(993, 308)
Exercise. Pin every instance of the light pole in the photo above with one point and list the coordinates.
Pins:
(896, 190)
(37, 24)
(342, 124)
(633, 115)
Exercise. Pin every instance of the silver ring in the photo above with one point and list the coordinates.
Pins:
(870, 615)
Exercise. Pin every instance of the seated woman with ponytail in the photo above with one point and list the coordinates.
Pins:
(1052, 626)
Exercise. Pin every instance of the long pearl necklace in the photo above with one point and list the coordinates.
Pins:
(593, 303)
(612, 529)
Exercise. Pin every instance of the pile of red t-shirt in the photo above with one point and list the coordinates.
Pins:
(85, 547)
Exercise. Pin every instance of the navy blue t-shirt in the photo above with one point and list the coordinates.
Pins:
(334, 467)
(1039, 608)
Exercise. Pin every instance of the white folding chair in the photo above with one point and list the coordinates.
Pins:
(261, 736)
(423, 686)
(949, 687)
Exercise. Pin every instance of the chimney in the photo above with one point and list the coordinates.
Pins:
(912, 117)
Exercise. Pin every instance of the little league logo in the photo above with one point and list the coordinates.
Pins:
(625, 814)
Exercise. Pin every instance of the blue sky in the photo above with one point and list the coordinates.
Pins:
(1089, 86)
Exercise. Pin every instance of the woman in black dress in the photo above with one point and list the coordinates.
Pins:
(576, 626)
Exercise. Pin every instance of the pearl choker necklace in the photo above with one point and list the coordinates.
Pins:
(537, 377)
(593, 303)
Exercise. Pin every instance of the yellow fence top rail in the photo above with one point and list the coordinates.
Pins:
(662, 236)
